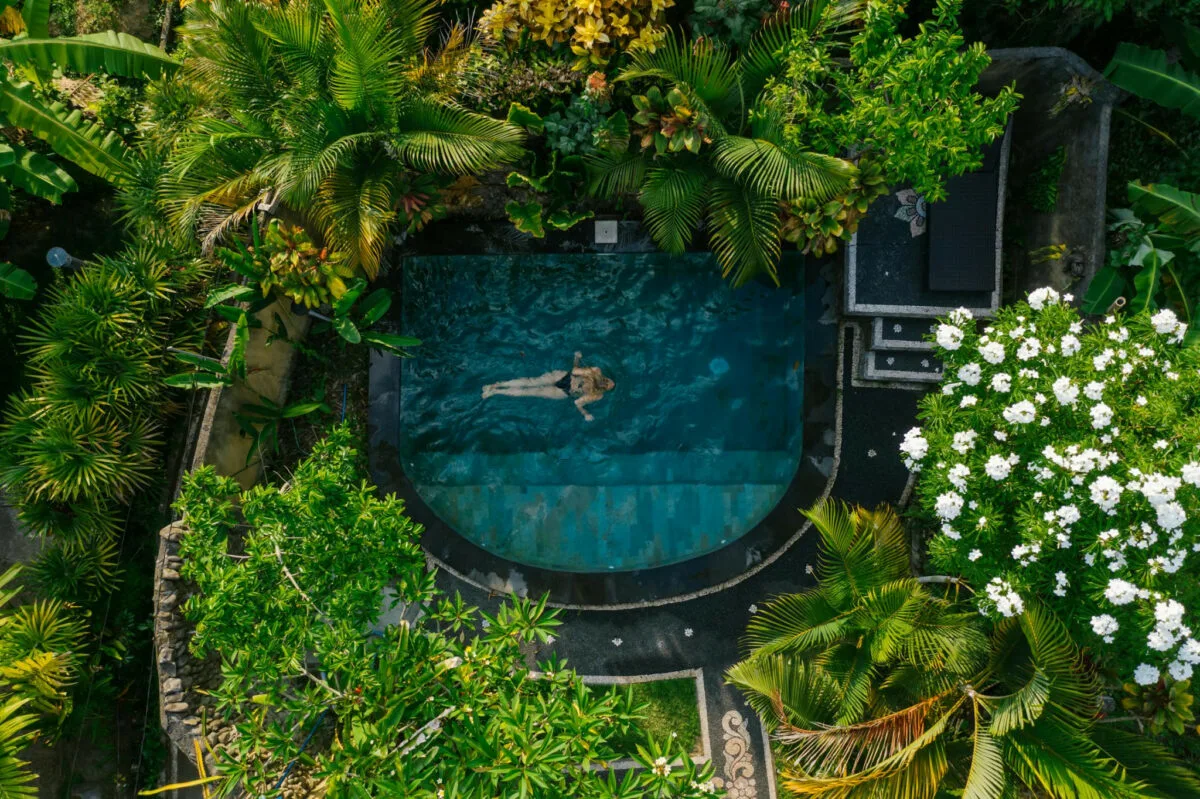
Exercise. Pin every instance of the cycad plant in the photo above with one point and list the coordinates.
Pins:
(703, 151)
(876, 685)
(324, 108)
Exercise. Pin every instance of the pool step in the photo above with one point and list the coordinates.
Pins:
(596, 528)
(898, 333)
(906, 365)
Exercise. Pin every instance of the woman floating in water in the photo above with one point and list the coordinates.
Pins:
(586, 383)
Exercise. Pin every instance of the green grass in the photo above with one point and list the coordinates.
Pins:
(672, 708)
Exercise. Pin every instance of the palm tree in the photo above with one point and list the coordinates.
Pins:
(876, 686)
(324, 107)
(734, 175)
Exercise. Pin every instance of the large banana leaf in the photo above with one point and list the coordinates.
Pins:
(36, 14)
(16, 284)
(116, 53)
(34, 173)
(99, 152)
(1146, 73)
(1178, 212)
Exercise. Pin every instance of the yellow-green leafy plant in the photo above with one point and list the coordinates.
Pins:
(816, 227)
(594, 30)
(300, 269)
(670, 122)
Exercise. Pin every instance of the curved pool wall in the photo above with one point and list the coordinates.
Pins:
(697, 443)
(410, 463)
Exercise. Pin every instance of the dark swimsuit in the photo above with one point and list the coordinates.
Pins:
(564, 382)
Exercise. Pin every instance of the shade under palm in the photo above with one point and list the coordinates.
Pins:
(320, 106)
(875, 686)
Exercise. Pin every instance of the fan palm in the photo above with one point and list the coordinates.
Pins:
(875, 686)
(323, 107)
(16, 732)
(736, 183)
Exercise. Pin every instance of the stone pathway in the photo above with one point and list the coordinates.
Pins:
(702, 633)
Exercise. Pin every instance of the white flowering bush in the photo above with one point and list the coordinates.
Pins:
(1062, 462)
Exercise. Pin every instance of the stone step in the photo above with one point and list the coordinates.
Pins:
(900, 333)
(918, 366)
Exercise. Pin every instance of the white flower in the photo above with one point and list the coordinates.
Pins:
(1029, 349)
(1040, 298)
(958, 475)
(1060, 584)
(950, 532)
(1066, 392)
(1120, 592)
(753, 609)
(1067, 515)
(617, 642)
(1093, 390)
(960, 315)
(914, 446)
(968, 401)
(1165, 321)
(688, 632)
(1171, 516)
(1020, 413)
(1069, 345)
(1106, 492)
(1101, 361)
(1180, 670)
(1101, 416)
(1189, 652)
(997, 467)
(949, 505)
(661, 767)
(992, 352)
(1141, 400)
(1008, 602)
(970, 374)
(964, 442)
(1104, 624)
(1191, 473)
(949, 337)
(1145, 674)
(974, 555)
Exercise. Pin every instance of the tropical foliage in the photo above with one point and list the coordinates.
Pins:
(1149, 73)
(322, 108)
(877, 683)
(908, 102)
(594, 31)
(31, 58)
(732, 170)
(84, 437)
(1060, 462)
(1154, 263)
(38, 663)
(439, 699)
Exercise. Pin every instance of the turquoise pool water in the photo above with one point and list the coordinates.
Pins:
(697, 443)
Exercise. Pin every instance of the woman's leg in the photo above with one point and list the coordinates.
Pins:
(505, 386)
(543, 392)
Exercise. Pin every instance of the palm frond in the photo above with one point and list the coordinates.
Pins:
(363, 76)
(673, 200)
(355, 209)
(795, 623)
(704, 66)
(444, 138)
(986, 778)
(784, 691)
(1147, 761)
(610, 175)
(744, 229)
(766, 55)
(781, 172)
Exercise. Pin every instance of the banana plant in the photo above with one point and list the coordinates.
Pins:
(31, 56)
(16, 284)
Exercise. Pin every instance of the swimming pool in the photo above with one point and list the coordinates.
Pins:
(699, 440)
